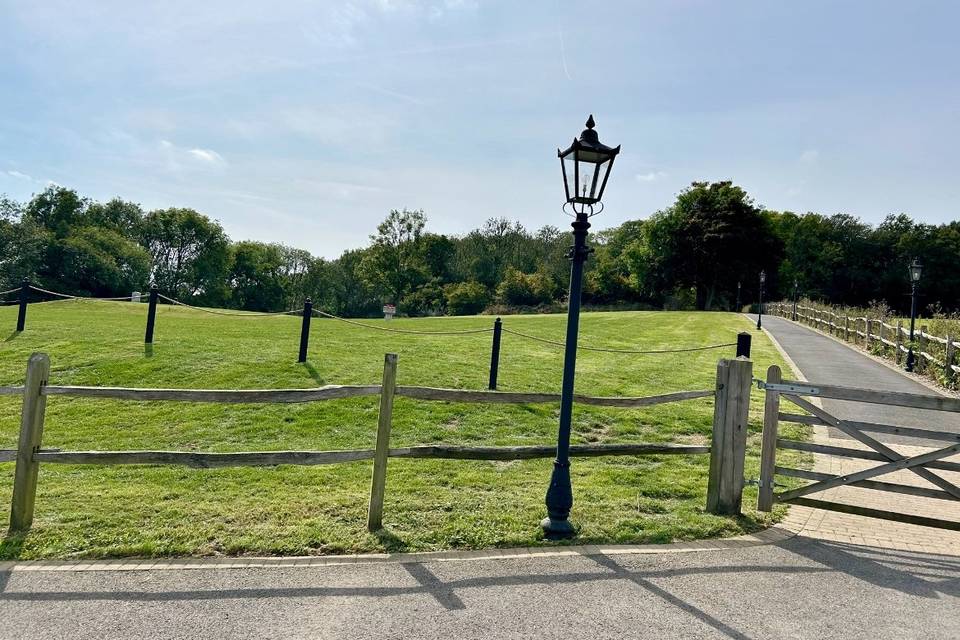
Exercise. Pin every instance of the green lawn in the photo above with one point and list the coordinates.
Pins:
(89, 511)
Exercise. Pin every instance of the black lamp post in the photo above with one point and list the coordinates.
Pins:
(586, 167)
(916, 270)
(796, 289)
(763, 279)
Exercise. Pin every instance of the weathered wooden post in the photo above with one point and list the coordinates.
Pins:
(31, 434)
(24, 298)
(151, 314)
(899, 339)
(868, 324)
(728, 449)
(382, 451)
(768, 446)
(495, 354)
(949, 355)
(846, 327)
(305, 329)
(924, 346)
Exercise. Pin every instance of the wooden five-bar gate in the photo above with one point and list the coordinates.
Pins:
(924, 465)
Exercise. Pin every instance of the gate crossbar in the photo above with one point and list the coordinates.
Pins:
(897, 460)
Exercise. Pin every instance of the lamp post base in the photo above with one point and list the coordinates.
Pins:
(557, 529)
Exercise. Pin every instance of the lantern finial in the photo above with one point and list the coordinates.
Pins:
(590, 123)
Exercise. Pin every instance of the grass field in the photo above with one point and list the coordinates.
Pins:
(90, 511)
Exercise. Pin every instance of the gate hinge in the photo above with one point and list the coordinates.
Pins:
(799, 389)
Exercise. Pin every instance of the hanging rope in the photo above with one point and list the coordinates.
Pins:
(240, 314)
(392, 330)
(67, 296)
(628, 351)
(3, 293)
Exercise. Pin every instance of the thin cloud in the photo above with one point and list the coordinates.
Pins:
(208, 155)
(810, 156)
(653, 176)
(20, 176)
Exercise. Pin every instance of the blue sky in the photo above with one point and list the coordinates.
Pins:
(305, 122)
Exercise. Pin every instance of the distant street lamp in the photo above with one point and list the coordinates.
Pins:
(796, 289)
(916, 270)
(738, 297)
(763, 279)
(586, 166)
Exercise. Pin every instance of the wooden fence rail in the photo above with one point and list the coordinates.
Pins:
(726, 464)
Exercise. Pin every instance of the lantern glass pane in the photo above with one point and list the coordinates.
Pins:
(566, 164)
(587, 184)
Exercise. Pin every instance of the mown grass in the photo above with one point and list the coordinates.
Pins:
(93, 511)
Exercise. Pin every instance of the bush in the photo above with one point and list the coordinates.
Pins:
(466, 298)
(520, 289)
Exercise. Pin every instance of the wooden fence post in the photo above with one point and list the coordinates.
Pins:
(495, 354)
(846, 327)
(382, 451)
(949, 355)
(31, 434)
(924, 345)
(768, 447)
(728, 449)
(868, 324)
(305, 329)
(899, 339)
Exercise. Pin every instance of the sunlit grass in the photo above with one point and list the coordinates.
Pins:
(114, 511)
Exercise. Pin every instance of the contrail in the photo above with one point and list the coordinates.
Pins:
(563, 55)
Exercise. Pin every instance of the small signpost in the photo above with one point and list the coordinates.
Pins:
(389, 310)
(135, 296)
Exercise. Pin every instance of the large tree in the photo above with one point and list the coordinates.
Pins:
(394, 265)
(711, 238)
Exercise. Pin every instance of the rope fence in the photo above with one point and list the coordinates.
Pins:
(154, 297)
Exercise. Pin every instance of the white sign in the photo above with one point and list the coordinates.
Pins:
(135, 296)
(389, 310)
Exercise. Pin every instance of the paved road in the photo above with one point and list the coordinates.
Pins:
(827, 361)
(797, 588)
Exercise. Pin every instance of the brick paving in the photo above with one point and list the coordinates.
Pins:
(822, 359)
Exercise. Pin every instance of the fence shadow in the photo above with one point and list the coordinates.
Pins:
(13, 335)
(916, 574)
(314, 374)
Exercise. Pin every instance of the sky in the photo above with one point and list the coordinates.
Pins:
(305, 122)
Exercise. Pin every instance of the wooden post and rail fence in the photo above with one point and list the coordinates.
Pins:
(727, 449)
(936, 356)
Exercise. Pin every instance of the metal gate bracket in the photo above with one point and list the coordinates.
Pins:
(799, 389)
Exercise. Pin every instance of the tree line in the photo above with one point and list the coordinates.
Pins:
(690, 255)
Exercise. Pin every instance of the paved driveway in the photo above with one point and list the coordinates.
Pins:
(796, 588)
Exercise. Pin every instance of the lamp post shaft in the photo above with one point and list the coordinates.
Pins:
(913, 317)
(559, 498)
(760, 307)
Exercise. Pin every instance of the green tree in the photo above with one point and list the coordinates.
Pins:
(190, 254)
(466, 298)
(100, 262)
(393, 265)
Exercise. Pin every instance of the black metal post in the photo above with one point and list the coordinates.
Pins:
(151, 314)
(743, 344)
(24, 298)
(913, 317)
(795, 290)
(738, 298)
(305, 329)
(760, 307)
(495, 354)
(559, 498)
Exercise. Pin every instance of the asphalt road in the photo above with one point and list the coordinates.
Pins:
(829, 362)
(799, 588)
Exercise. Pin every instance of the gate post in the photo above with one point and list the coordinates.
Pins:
(728, 448)
(768, 447)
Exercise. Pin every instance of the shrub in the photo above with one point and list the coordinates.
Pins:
(466, 298)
